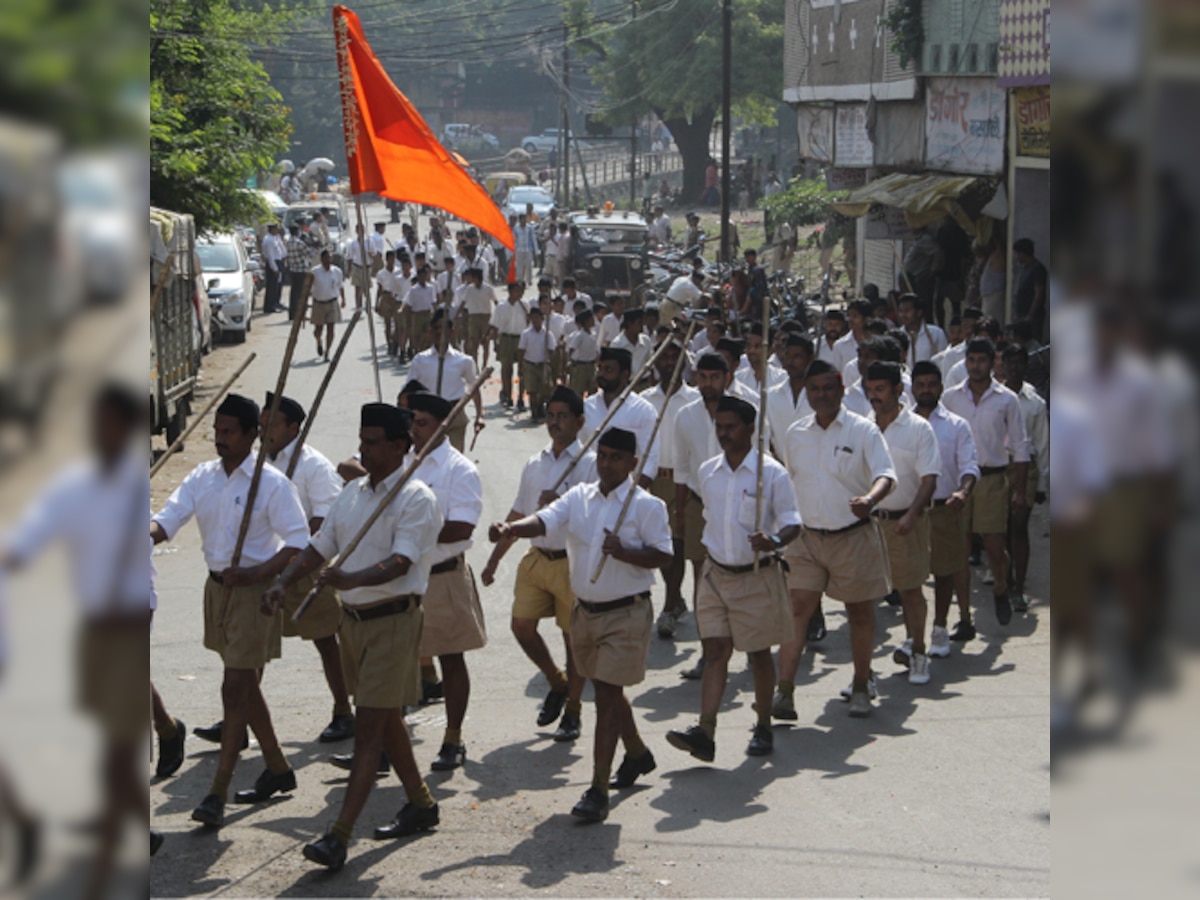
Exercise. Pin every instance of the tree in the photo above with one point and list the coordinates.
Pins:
(669, 62)
(215, 119)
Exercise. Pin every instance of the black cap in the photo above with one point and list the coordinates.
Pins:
(241, 408)
(619, 439)
(413, 387)
(883, 371)
(288, 407)
(381, 224)
(569, 396)
(622, 357)
(424, 401)
(742, 408)
(394, 421)
(632, 315)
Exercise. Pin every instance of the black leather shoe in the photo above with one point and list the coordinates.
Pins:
(170, 751)
(695, 742)
(409, 820)
(520, 406)
(211, 811)
(339, 729)
(568, 729)
(631, 767)
(762, 742)
(552, 707)
(816, 628)
(893, 599)
(267, 785)
(213, 734)
(430, 691)
(328, 852)
(1003, 608)
(963, 631)
(451, 756)
(695, 673)
(592, 806)
(346, 761)
(156, 841)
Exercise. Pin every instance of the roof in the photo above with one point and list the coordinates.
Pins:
(924, 198)
(616, 217)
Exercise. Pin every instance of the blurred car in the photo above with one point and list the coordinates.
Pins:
(337, 221)
(229, 279)
(468, 139)
(98, 204)
(612, 253)
(547, 141)
(520, 195)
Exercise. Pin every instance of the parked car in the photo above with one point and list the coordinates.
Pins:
(101, 221)
(521, 195)
(229, 278)
(337, 220)
(468, 139)
(546, 141)
(612, 252)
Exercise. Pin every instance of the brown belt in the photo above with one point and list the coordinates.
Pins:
(391, 607)
(610, 605)
(448, 565)
(742, 570)
(828, 531)
(984, 471)
(552, 555)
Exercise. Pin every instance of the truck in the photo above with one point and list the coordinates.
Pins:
(176, 294)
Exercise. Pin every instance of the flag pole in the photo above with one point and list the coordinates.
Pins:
(362, 248)
(316, 404)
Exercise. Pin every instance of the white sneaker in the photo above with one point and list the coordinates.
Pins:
(903, 654)
(988, 577)
(872, 689)
(939, 643)
(919, 673)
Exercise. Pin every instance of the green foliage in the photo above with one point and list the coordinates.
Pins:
(903, 22)
(215, 119)
(808, 202)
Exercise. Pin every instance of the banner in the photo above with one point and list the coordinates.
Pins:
(1033, 120)
(852, 144)
(964, 126)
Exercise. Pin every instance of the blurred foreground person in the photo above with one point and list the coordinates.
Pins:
(100, 509)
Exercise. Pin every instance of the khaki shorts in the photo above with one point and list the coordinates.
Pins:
(322, 617)
(325, 312)
(376, 265)
(418, 328)
(387, 305)
(1120, 527)
(612, 646)
(534, 381)
(908, 555)
(235, 627)
(113, 673)
(851, 566)
(477, 327)
(543, 589)
(506, 348)
(947, 541)
(987, 507)
(360, 276)
(693, 518)
(582, 376)
(381, 659)
(453, 615)
(752, 608)
(1071, 573)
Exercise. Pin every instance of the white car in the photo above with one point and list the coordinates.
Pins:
(101, 223)
(523, 194)
(230, 281)
(547, 141)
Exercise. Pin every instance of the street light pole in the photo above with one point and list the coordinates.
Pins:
(633, 141)
(726, 123)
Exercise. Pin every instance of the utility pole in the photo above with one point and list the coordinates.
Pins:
(726, 120)
(566, 120)
(633, 141)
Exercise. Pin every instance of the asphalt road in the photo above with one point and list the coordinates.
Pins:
(944, 791)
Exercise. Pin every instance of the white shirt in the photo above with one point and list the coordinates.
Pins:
(509, 318)
(421, 297)
(557, 325)
(845, 350)
(635, 414)
(563, 247)
(609, 329)
(823, 350)
(103, 520)
(831, 466)
(783, 411)
(389, 279)
(1078, 466)
(660, 229)
(583, 514)
(655, 396)
(435, 256)
(316, 479)
(929, 342)
(455, 284)
(408, 527)
(326, 283)
(684, 291)
(458, 372)
(354, 253)
(956, 447)
(218, 501)
(377, 245)
(274, 250)
(455, 482)
(996, 423)
(1134, 427)
(541, 472)
(693, 439)
(480, 301)
(730, 502)
(948, 358)
(537, 344)
(699, 344)
(582, 347)
(747, 376)
(855, 397)
(956, 375)
(640, 353)
(569, 302)
(1036, 416)
(914, 450)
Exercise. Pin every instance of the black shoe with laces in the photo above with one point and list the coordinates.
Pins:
(552, 707)
(170, 751)
(568, 729)
(631, 767)
(451, 756)
(409, 820)
(211, 811)
(1003, 608)
(762, 741)
(327, 851)
(267, 785)
(346, 761)
(695, 673)
(213, 734)
(592, 806)
(695, 742)
(340, 728)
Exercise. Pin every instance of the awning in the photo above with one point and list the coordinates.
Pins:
(925, 199)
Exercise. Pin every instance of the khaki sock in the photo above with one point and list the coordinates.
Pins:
(343, 709)
(574, 708)
(453, 736)
(421, 798)
(343, 831)
(600, 779)
(635, 746)
(708, 724)
(277, 764)
(220, 785)
(169, 730)
(787, 688)
(559, 682)
(429, 673)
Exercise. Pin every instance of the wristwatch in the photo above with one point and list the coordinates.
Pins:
(776, 541)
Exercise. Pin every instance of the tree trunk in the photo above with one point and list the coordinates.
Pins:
(692, 138)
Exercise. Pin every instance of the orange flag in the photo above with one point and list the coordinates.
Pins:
(390, 150)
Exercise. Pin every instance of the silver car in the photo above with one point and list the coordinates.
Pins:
(229, 278)
(523, 194)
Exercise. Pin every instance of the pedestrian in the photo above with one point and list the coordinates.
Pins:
(660, 227)
(582, 350)
(635, 414)
(855, 331)
(742, 604)
(453, 615)
(925, 341)
(924, 262)
(420, 302)
(274, 257)
(533, 356)
(841, 470)
(235, 627)
(377, 246)
(325, 285)
(298, 264)
(611, 620)
(386, 304)
(509, 320)
(786, 400)
(381, 585)
(757, 365)
(358, 259)
(543, 583)
(1036, 418)
(565, 253)
(479, 300)
(402, 281)
(637, 342)
(1030, 296)
(526, 238)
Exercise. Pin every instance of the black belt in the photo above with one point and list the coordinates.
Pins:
(940, 502)
(448, 565)
(552, 554)
(583, 362)
(890, 515)
(386, 608)
(610, 605)
(992, 470)
(216, 576)
(506, 334)
(742, 570)
(827, 531)
(330, 300)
